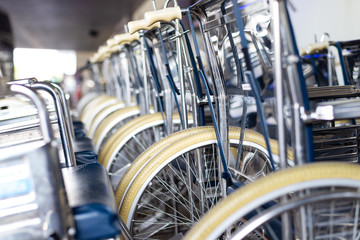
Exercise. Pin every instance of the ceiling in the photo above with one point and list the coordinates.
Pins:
(80, 25)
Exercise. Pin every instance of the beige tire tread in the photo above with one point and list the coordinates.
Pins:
(111, 120)
(91, 104)
(173, 150)
(127, 131)
(265, 185)
(90, 109)
(112, 141)
(149, 153)
(163, 143)
(84, 100)
(96, 109)
(102, 115)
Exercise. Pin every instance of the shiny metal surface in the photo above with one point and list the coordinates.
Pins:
(33, 200)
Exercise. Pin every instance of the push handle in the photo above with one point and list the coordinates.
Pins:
(130, 38)
(66, 108)
(60, 110)
(103, 52)
(115, 44)
(126, 38)
(163, 15)
(94, 58)
(119, 38)
(314, 47)
(135, 26)
(64, 131)
(115, 48)
(111, 42)
(104, 56)
(45, 126)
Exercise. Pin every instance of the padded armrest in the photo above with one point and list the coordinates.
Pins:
(91, 197)
(78, 124)
(85, 157)
(79, 129)
(83, 144)
(79, 133)
(88, 183)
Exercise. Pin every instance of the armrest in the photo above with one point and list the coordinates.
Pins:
(84, 151)
(92, 200)
(88, 183)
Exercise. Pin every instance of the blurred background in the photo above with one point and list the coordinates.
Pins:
(51, 40)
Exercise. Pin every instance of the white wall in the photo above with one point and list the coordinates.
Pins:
(339, 18)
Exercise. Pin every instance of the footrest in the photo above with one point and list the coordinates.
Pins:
(91, 197)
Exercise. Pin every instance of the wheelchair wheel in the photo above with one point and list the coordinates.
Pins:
(146, 156)
(129, 141)
(87, 98)
(321, 200)
(102, 115)
(94, 106)
(182, 182)
(111, 123)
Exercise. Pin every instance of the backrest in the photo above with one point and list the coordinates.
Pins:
(33, 202)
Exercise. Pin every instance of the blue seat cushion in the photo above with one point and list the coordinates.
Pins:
(95, 221)
(92, 199)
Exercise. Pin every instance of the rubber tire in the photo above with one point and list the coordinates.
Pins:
(174, 150)
(228, 207)
(110, 121)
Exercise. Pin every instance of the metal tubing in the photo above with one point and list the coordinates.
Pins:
(124, 230)
(45, 126)
(280, 209)
(294, 84)
(66, 109)
(195, 110)
(64, 131)
(146, 90)
(278, 79)
(181, 74)
(119, 83)
(137, 84)
(122, 58)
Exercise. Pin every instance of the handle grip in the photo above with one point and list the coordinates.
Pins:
(163, 15)
(130, 37)
(135, 26)
(94, 58)
(315, 47)
(111, 42)
(103, 52)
